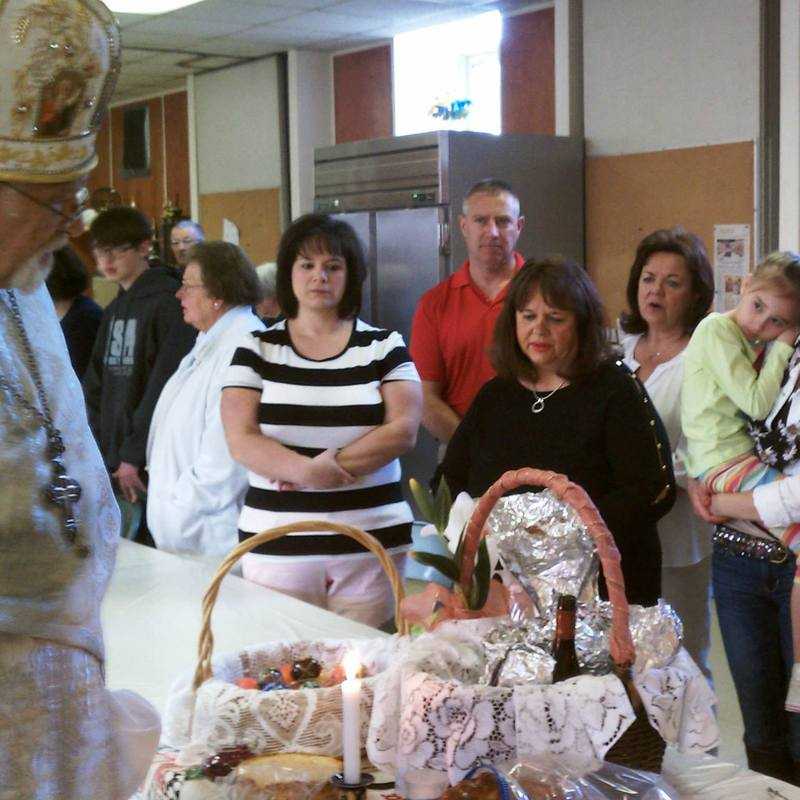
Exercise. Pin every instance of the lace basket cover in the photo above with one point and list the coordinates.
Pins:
(434, 707)
(221, 714)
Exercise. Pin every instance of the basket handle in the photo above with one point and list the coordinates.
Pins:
(205, 645)
(621, 644)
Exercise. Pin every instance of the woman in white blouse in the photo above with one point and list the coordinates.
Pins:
(195, 489)
(669, 291)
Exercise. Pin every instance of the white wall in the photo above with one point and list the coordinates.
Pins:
(789, 225)
(662, 74)
(310, 120)
(237, 128)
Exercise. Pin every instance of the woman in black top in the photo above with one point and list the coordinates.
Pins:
(562, 402)
(79, 314)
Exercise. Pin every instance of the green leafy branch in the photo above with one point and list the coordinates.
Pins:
(436, 510)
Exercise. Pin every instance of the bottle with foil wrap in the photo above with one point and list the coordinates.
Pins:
(564, 645)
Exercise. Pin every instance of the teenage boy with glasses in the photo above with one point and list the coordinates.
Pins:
(141, 341)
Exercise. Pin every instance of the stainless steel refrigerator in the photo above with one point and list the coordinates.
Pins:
(403, 197)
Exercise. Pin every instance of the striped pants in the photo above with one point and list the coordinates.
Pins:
(743, 475)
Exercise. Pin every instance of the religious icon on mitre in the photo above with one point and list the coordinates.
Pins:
(59, 101)
(58, 68)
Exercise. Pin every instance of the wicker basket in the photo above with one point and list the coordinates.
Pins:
(205, 647)
(209, 711)
(641, 746)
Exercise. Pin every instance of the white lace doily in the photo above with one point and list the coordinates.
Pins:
(430, 711)
(221, 714)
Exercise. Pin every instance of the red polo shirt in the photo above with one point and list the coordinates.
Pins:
(451, 334)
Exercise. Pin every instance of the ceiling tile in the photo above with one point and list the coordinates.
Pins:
(324, 23)
(124, 20)
(159, 40)
(238, 46)
(202, 63)
(168, 24)
(244, 14)
(131, 54)
(388, 10)
(166, 65)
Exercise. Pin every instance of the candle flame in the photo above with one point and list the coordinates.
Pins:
(351, 664)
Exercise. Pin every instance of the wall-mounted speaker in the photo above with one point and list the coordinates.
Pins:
(135, 142)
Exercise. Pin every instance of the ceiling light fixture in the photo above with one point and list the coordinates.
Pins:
(147, 6)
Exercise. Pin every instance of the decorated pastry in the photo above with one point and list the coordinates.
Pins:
(287, 776)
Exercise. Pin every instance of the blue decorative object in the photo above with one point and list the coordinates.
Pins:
(457, 109)
(414, 570)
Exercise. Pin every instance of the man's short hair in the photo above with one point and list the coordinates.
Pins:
(190, 224)
(490, 186)
(120, 226)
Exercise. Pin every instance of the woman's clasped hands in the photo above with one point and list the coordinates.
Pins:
(322, 471)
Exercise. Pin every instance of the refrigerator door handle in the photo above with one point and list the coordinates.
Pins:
(444, 238)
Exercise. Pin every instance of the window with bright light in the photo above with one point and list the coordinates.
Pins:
(448, 77)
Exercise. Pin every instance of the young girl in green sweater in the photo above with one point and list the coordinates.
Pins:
(723, 386)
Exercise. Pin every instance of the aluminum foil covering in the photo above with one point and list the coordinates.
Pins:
(544, 545)
(521, 653)
(547, 549)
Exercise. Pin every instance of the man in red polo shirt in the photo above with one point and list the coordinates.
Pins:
(454, 321)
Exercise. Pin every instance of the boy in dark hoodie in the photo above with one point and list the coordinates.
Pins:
(141, 341)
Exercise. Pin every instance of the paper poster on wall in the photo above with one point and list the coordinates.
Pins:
(230, 231)
(731, 264)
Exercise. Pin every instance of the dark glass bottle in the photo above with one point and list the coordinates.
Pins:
(564, 645)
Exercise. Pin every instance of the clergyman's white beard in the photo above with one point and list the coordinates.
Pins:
(30, 276)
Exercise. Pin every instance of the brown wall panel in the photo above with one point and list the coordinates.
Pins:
(629, 196)
(168, 116)
(101, 175)
(257, 214)
(147, 192)
(176, 119)
(527, 65)
(363, 94)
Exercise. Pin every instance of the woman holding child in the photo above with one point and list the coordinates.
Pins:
(753, 568)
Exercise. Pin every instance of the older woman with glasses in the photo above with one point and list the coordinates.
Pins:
(195, 488)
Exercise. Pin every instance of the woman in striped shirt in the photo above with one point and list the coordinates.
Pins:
(318, 408)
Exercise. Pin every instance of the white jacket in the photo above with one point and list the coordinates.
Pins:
(195, 489)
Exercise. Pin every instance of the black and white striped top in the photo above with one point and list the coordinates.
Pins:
(309, 406)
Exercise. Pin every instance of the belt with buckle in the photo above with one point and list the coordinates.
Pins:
(743, 544)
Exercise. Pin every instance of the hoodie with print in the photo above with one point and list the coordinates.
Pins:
(141, 341)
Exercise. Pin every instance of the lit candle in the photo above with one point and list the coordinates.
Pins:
(351, 720)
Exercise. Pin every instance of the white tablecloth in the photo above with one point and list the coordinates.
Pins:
(151, 620)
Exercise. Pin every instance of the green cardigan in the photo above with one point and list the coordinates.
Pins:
(721, 388)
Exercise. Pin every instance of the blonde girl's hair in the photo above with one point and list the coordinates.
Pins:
(779, 272)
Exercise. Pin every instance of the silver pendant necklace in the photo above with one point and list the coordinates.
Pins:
(538, 404)
(62, 491)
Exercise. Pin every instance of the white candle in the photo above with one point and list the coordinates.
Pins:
(351, 720)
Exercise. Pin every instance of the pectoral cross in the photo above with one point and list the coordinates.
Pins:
(65, 492)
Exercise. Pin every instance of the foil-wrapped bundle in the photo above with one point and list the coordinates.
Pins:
(543, 544)
(518, 654)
